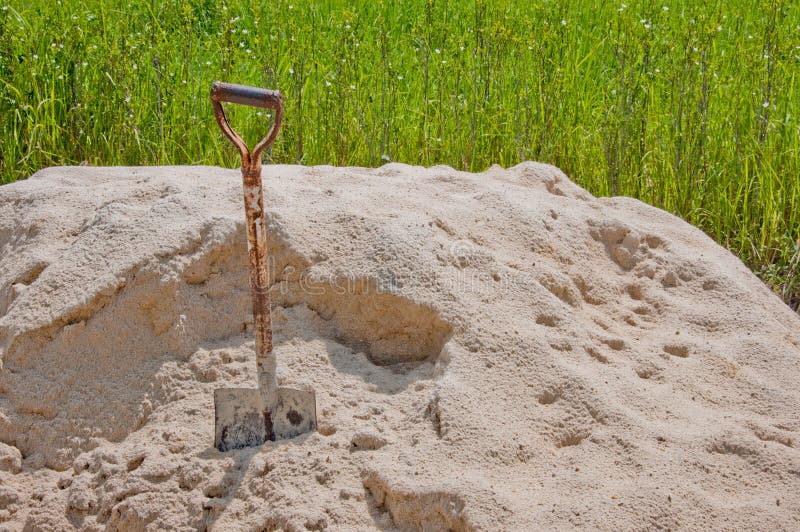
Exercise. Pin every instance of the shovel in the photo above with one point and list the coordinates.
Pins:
(246, 417)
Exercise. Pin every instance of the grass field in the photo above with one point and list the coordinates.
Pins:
(690, 106)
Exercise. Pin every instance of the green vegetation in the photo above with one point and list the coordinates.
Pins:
(690, 106)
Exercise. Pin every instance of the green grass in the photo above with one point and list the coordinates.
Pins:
(690, 106)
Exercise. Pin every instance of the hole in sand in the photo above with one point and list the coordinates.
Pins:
(729, 447)
(635, 291)
(326, 429)
(616, 344)
(647, 371)
(135, 463)
(561, 288)
(596, 354)
(653, 241)
(553, 188)
(433, 412)
(587, 291)
(571, 438)
(550, 396)
(548, 319)
(764, 435)
(562, 345)
(388, 328)
(677, 350)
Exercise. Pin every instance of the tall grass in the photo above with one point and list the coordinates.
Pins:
(690, 106)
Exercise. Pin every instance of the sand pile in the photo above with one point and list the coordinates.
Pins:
(489, 351)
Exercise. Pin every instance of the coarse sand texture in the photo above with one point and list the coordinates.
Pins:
(492, 351)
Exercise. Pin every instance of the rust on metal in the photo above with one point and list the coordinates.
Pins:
(236, 410)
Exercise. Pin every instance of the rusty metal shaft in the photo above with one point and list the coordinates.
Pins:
(256, 227)
(259, 284)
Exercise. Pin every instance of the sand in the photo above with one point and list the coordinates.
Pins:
(489, 351)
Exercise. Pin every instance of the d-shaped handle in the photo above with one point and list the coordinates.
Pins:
(244, 95)
(254, 97)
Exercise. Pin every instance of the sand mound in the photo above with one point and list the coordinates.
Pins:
(489, 351)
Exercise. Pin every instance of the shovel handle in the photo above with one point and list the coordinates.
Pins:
(245, 95)
(254, 97)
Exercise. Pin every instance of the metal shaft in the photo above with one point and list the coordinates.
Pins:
(259, 284)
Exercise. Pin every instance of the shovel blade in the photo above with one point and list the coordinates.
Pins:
(295, 413)
(238, 418)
